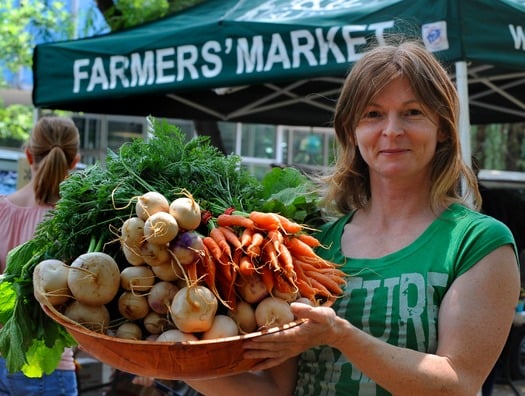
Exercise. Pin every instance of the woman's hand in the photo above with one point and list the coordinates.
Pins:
(318, 329)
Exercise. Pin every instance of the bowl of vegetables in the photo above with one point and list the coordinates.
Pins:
(165, 360)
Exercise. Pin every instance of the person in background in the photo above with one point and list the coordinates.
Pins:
(432, 282)
(52, 152)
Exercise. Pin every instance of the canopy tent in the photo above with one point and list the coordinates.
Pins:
(282, 61)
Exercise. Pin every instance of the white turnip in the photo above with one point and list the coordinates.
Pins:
(252, 288)
(273, 311)
(50, 282)
(95, 318)
(160, 228)
(132, 231)
(155, 323)
(133, 306)
(193, 309)
(154, 254)
(161, 295)
(186, 211)
(129, 330)
(168, 272)
(175, 335)
(138, 279)
(150, 203)
(222, 326)
(94, 278)
(244, 316)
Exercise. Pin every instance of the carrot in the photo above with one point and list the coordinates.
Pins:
(302, 251)
(328, 283)
(246, 266)
(219, 237)
(284, 285)
(234, 220)
(289, 226)
(308, 239)
(265, 220)
(286, 262)
(246, 237)
(267, 278)
(271, 257)
(231, 237)
(254, 248)
(276, 238)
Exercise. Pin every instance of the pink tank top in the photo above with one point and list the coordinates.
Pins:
(18, 225)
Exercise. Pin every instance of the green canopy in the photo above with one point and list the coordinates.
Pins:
(281, 61)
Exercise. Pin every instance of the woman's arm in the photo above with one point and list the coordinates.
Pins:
(474, 321)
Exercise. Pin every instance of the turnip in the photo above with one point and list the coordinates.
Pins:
(133, 306)
(94, 278)
(95, 318)
(150, 203)
(273, 311)
(187, 247)
(133, 255)
(155, 254)
(155, 323)
(137, 279)
(130, 331)
(193, 309)
(222, 326)
(50, 282)
(160, 228)
(168, 272)
(252, 288)
(132, 231)
(175, 335)
(186, 211)
(161, 295)
(244, 316)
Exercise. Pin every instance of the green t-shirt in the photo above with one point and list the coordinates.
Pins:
(397, 297)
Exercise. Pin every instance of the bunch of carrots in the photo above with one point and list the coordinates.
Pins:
(269, 246)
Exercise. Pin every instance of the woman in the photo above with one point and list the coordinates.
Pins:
(52, 151)
(432, 283)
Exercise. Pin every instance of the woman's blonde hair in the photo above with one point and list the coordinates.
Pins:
(349, 184)
(53, 146)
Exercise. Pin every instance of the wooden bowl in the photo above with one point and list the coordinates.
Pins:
(165, 360)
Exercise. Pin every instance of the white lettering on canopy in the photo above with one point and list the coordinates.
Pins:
(301, 48)
(518, 36)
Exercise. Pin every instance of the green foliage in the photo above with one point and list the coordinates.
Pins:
(16, 122)
(25, 23)
(128, 13)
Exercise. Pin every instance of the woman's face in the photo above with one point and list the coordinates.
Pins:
(396, 135)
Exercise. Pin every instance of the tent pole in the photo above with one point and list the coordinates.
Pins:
(464, 117)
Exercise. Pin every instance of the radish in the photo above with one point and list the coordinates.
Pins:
(130, 331)
(187, 247)
(160, 228)
(193, 309)
(50, 282)
(94, 318)
(175, 335)
(161, 295)
(186, 211)
(94, 278)
(222, 326)
(244, 316)
(138, 279)
(155, 323)
(150, 203)
(273, 311)
(133, 306)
